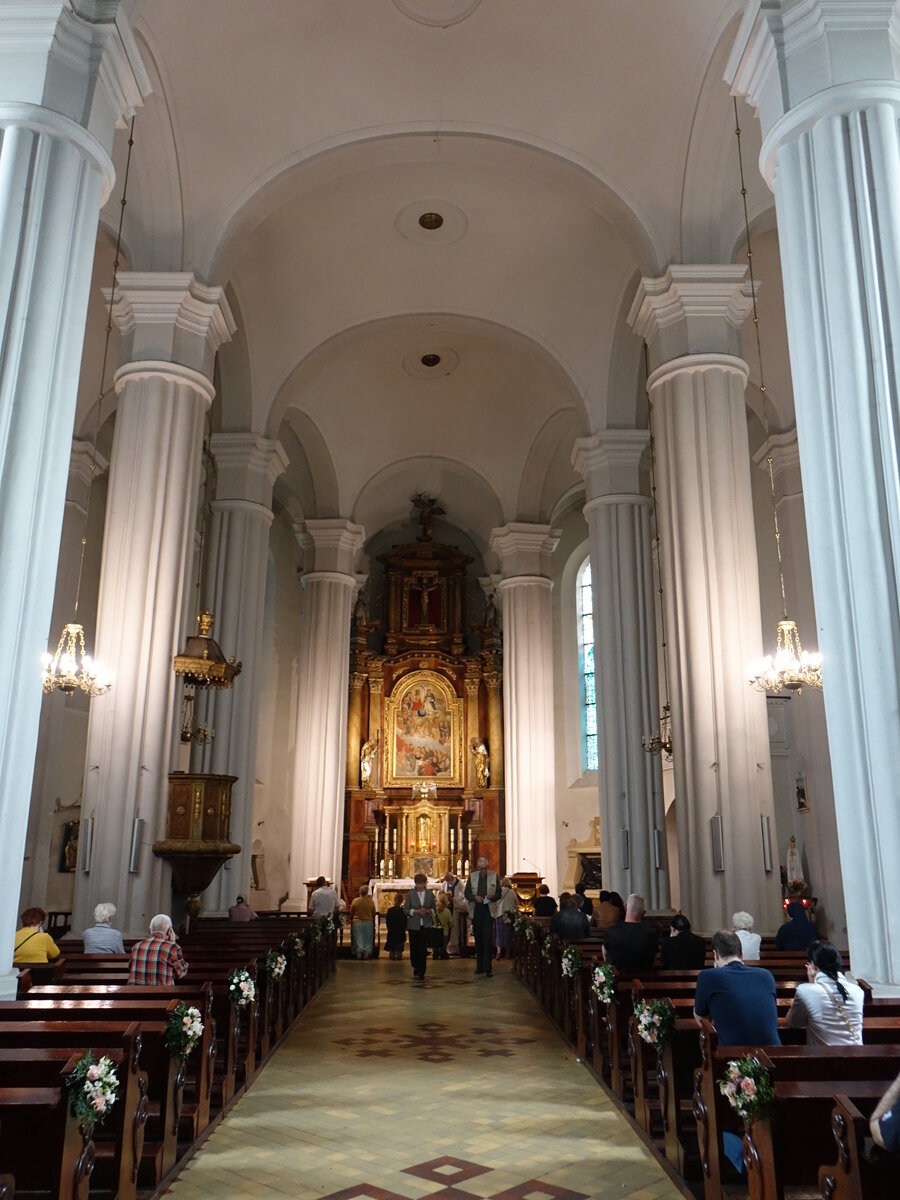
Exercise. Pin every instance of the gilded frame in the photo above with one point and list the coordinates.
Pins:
(398, 719)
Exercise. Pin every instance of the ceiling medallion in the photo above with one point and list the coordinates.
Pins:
(431, 221)
(430, 362)
(437, 12)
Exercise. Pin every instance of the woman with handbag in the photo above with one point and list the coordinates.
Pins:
(32, 945)
(829, 1007)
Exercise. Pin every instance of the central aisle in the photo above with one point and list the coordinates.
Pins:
(391, 1089)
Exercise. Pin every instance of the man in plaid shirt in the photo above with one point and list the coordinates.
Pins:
(158, 961)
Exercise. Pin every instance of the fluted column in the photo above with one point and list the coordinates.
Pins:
(524, 551)
(632, 819)
(65, 83)
(171, 327)
(824, 78)
(317, 801)
(237, 559)
(691, 318)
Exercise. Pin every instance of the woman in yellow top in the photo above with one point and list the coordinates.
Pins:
(32, 944)
(443, 921)
(362, 924)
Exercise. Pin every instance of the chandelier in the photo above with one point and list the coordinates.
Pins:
(71, 669)
(790, 668)
(660, 741)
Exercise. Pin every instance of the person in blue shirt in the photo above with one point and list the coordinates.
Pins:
(739, 1000)
(885, 1121)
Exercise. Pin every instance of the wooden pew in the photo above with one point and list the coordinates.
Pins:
(859, 1171)
(42, 1145)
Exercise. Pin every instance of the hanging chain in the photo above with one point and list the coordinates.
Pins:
(102, 392)
(659, 570)
(762, 378)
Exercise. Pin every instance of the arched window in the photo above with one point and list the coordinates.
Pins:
(584, 597)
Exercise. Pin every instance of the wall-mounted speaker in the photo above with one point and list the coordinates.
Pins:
(657, 848)
(87, 844)
(718, 842)
(137, 837)
(625, 849)
(766, 829)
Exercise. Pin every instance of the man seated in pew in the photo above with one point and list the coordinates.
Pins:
(157, 961)
(241, 911)
(101, 938)
(682, 950)
(829, 1007)
(739, 1000)
(742, 925)
(570, 922)
(884, 1124)
(630, 945)
(323, 901)
(32, 945)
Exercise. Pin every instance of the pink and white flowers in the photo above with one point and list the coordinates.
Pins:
(570, 962)
(747, 1086)
(276, 964)
(654, 1020)
(603, 984)
(93, 1087)
(242, 986)
(184, 1029)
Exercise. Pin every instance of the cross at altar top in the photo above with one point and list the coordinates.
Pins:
(428, 509)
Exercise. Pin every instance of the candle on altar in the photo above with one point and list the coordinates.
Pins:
(381, 869)
(395, 841)
(458, 867)
(452, 831)
(467, 866)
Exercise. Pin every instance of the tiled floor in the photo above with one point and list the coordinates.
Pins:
(394, 1090)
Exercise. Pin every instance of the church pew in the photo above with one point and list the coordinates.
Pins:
(118, 1142)
(160, 1148)
(837, 1068)
(859, 1171)
(42, 1145)
(206, 1066)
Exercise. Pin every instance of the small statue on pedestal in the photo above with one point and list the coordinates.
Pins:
(367, 762)
(482, 763)
(794, 869)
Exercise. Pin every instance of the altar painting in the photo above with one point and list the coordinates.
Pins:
(424, 722)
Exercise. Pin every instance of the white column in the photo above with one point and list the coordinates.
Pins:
(524, 552)
(824, 78)
(691, 319)
(237, 557)
(171, 328)
(632, 820)
(65, 82)
(317, 803)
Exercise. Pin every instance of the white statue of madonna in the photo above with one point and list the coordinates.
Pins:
(793, 867)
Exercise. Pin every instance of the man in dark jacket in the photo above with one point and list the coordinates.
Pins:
(630, 945)
(570, 922)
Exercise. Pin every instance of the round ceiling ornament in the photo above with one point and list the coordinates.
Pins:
(430, 362)
(437, 12)
(431, 221)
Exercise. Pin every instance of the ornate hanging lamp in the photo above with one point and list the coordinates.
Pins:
(71, 668)
(660, 740)
(790, 668)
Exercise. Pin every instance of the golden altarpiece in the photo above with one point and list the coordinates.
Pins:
(424, 726)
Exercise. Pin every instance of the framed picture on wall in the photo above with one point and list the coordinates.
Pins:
(801, 794)
(68, 850)
(424, 731)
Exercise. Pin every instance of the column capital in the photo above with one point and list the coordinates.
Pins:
(331, 546)
(524, 549)
(76, 59)
(793, 55)
(692, 310)
(169, 316)
(609, 461)
(247, 465)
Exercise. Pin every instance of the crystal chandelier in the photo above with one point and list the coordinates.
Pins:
(71, 669)
(790, 668)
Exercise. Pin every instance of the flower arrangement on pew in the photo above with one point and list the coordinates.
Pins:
(313, 934)
(296, 946)
(603, 984)
(276, 964)
(184, 1029)
(327, 925)
(655, 1020)
(532, 932)
(747, 1087)
(92, 1090)
(241, 987)
(520, 923)
(551, 947)
(570, 961)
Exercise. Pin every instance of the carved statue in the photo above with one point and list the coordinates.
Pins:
(793, 866)
(428, 509)
(482, 763)
(360, 609)
(367, 762)
(491, 616)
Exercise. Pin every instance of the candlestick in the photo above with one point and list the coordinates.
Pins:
(395, 841)
(381, 869)
(452, 847)
(467, 866)
(458, 867)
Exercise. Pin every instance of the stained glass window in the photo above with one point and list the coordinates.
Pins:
(585, 600)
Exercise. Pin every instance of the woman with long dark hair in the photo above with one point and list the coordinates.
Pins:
(829, 1006)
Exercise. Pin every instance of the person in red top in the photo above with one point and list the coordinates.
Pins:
(158, 961)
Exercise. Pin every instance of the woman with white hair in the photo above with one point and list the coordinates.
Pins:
(101, 938)
(742, 924)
